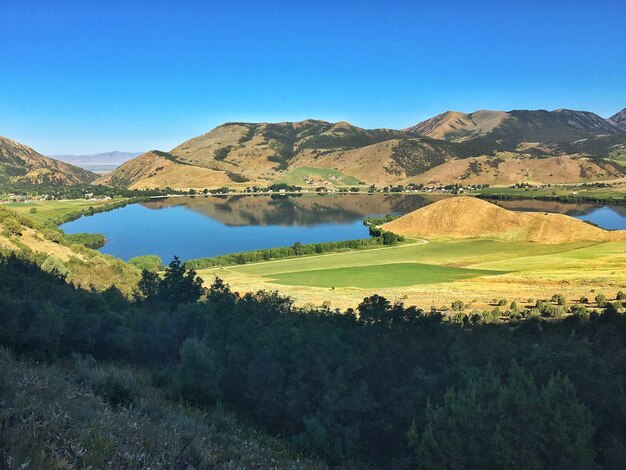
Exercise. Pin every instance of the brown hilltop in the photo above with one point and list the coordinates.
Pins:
(156, 169)
(468, 217)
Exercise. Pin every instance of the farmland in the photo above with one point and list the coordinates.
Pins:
(439, 272)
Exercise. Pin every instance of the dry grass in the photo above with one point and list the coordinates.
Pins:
(468, 217)
(151, 170)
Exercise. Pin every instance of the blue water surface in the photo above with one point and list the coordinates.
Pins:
(136, 230)
(204, 227)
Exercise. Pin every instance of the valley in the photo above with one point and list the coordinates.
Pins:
(312, 235)
(427, 269)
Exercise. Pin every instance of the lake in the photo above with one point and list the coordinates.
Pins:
(195, 227)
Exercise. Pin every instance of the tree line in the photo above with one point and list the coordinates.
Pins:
(378, 237)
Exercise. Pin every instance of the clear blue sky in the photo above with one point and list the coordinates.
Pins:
(86, 76)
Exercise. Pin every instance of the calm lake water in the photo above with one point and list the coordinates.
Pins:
(194, 227)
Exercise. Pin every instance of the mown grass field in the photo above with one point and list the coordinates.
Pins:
(437, 273)
(384, 275)
(337, 178)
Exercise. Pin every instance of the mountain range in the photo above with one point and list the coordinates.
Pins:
(493, 147)
(106, 158)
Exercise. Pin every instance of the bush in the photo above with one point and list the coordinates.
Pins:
(458, 306)
(620, 295)
(467, 428)
(12, 227)
(152, 263)
(197, 378)
(558, 299)
(54, 265)
(116, 386)
(601, 300)
(90, 240)
(552, 311)
(390, 238)
(502, 302)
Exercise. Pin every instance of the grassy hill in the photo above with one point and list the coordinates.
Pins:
(241, 153)
(20, 164)
(468, 217)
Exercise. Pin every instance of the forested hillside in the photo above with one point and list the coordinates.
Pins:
(383, 386)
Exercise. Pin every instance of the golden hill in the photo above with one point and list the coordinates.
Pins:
(453, 125)
(21, 164)
(468, 217)
(156, 169)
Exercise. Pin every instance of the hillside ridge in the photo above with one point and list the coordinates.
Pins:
(21, 164)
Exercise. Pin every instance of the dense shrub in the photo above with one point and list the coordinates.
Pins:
(197, 375)
(90, 240)
(147, 262)
(52, 264)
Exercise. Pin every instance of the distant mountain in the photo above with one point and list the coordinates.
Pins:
(514, 127)
(108, 158)
(489, 146)
(21, 164)
(455, 125)
(619, 119)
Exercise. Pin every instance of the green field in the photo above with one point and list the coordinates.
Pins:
(47, 212)
(458, 253)
(384, 275)
(560, 191)
(297, 175)
(439, 272)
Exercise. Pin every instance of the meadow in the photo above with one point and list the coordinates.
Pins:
(436, 273)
